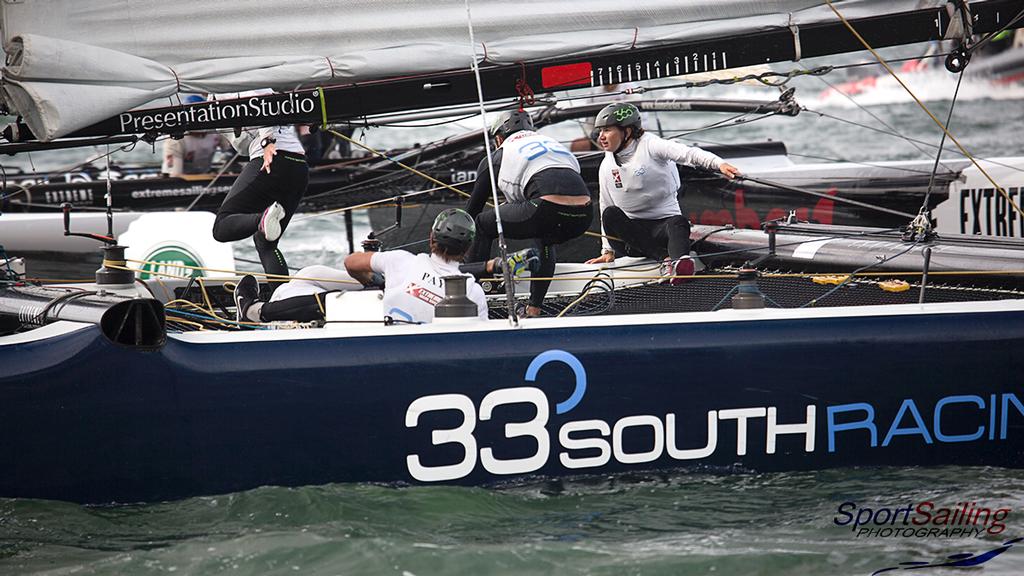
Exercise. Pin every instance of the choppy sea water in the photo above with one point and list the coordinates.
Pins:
(682, 523)
(678, 523)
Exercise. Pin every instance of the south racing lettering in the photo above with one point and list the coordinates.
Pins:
(592, 443)
(986, 211)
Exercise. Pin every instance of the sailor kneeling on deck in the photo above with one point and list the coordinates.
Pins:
(639, 184)
(547, 198)
(413, 283)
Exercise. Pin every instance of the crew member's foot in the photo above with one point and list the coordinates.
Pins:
(247, 292)
(524, 260)
(270, 222)
(673, 269)
(532, 312)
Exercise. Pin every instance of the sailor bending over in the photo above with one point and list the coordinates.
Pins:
(639, 183)
(547, 199)
(267, 192)
(413, 283)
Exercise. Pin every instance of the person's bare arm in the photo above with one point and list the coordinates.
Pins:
(358, 266)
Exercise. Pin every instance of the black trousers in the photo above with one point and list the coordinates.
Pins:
(239, 215)
(305, 308)
(545, 222)
(654, 239)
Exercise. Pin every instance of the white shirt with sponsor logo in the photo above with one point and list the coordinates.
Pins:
(526, 153)
(644, 182)
(413, 284)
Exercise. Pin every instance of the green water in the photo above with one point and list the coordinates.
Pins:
(683, 523)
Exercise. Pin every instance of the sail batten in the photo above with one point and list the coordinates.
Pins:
(67, 79)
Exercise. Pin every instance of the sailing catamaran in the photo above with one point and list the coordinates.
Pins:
(120, 391)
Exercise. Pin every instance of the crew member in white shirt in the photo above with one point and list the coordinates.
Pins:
(413, 283)
(193, 153)
(267, 192)
(639, 183)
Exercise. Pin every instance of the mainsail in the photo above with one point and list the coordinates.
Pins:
(75, 66)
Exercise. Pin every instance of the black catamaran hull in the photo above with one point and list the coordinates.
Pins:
(86, 420)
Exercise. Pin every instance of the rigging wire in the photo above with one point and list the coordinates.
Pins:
(891, 129)
(942, 141)
(839, 199)
(502, 248)
(737, 120)
(923, 107)
(213, 181)
(874, 129)
(400, 164)
(24, 189)
(788, 75)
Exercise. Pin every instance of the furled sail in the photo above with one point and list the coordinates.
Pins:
(73, 63)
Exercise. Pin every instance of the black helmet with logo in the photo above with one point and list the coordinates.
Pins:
(454, 229)
(618, 114)
(510, 122)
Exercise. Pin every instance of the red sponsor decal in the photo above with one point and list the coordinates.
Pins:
(421, 293)
(617, 177)
(743, 217)
(566, 75)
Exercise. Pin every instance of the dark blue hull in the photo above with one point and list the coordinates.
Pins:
(84, 420)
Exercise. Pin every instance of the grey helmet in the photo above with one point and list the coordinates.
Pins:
(619, 114)
(454, 229)
(510, 122)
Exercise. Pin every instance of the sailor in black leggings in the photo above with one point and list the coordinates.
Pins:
(547, 199)
(265, 195)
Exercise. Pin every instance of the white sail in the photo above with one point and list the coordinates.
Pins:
(72, 63)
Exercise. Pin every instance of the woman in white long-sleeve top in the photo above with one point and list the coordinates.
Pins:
(639, 183)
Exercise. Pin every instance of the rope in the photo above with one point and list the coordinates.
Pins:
(204, 269)
(923, 107)
(880, 131)
(526, 97)
(864, 109)
(598, 280)
(390, 159)
(383, 202)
